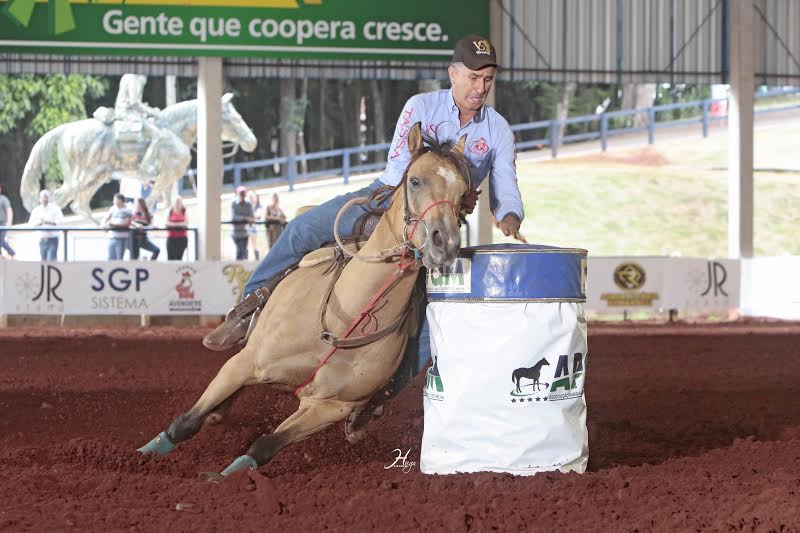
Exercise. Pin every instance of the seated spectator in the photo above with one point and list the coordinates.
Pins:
(6, 219)
(176, 235)
(275, 220)
(241, 215)
(118, 221)
(47, 214)
(139, 223)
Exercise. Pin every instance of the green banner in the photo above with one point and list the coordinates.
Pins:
(406, 30)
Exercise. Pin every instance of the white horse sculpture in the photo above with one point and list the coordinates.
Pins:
(89, 154)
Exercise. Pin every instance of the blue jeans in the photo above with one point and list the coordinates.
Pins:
(116, 247)
(48, 248)
(4, 244)
(306, 233)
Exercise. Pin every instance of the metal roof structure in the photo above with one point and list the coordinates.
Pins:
(603, 41)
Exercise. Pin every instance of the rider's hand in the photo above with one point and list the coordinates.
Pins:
(510, 227)
(469, 201)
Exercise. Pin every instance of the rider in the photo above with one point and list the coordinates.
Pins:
(447, 114)
(130, 107)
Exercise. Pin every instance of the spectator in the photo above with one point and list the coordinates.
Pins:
(6, 219)
(275, 220)
(241, 215)
(147, 188)
(176, 235)
(141, 220)
(118, 221)
(47, 214)
(252, 229)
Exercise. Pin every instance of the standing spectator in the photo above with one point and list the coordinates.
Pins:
(252, 229)
(275, 220)
(6, 219)
(176, 235)
(141, 220)
(241, 215)
(47, 214)
(118, 221)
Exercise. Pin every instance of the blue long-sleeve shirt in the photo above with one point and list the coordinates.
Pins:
(490, 146)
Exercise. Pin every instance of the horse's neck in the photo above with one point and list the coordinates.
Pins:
(181, 119)
(361, 280)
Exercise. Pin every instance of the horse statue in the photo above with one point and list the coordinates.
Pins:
(286, 348)
(92, 151)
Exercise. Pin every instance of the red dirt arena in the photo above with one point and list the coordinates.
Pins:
(692, 428)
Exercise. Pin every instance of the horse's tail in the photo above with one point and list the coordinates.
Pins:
(35, 167)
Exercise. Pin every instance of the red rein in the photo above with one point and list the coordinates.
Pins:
(366, 312)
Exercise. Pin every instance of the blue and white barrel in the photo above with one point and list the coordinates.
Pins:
(509, 348)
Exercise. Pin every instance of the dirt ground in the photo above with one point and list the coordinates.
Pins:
(692, 428)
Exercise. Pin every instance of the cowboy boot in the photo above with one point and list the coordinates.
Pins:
(239, 322)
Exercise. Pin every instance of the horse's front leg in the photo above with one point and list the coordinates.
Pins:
(311, 416)
(236, 372)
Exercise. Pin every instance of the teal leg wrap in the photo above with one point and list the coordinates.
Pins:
(160, 445)
(243, 462)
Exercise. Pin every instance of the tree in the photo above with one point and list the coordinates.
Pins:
(30, 106)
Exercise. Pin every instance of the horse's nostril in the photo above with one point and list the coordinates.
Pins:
(438, 241)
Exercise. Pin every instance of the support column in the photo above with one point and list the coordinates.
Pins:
(740, 130)
(209, 156)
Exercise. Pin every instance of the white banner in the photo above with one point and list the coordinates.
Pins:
(771, 287)
(122, 287)
(616, 284)
(696, 284)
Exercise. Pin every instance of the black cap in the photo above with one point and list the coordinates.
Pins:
(476, 52)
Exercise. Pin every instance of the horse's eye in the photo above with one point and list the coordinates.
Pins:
(416, 183)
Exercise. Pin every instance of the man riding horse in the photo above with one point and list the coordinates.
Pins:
(445, 114)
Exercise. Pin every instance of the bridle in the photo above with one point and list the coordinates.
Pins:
(410, 221)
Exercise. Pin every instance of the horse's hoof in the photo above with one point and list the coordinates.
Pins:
(243, 462)
(213, 477)
(160, 445)
(355, 426)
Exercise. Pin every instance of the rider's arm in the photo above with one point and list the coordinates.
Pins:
(399, 157)
(504, 192)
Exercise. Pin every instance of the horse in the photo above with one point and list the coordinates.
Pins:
(89, 155)
(531, 372)
(286, 348)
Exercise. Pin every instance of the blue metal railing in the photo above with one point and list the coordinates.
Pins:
(602, 126)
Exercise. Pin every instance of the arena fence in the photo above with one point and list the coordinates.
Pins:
(614, 285)
(552, 134)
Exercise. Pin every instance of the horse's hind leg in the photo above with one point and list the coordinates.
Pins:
(237, 371)
(312, 416)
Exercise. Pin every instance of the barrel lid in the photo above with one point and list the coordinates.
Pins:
(512, 273)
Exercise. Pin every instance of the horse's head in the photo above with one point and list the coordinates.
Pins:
(432, 188)
(234, 128)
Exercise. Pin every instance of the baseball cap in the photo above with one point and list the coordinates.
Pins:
(475, 51)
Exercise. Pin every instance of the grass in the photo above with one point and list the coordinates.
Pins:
(620, 203)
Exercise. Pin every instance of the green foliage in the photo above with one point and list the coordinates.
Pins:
(45, 101)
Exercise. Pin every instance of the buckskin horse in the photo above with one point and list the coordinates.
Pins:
(293, 346)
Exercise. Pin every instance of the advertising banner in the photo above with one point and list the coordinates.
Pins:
(617, 284)
(699, 284)
(412, 30)
(122, 288)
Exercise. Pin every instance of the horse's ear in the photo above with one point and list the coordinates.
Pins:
(227, 97)
(415, 138)
(459, 146)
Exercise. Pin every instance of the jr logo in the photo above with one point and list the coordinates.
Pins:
(716, 279)
(50, 281)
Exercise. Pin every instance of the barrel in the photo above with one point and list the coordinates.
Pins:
(509, 350)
